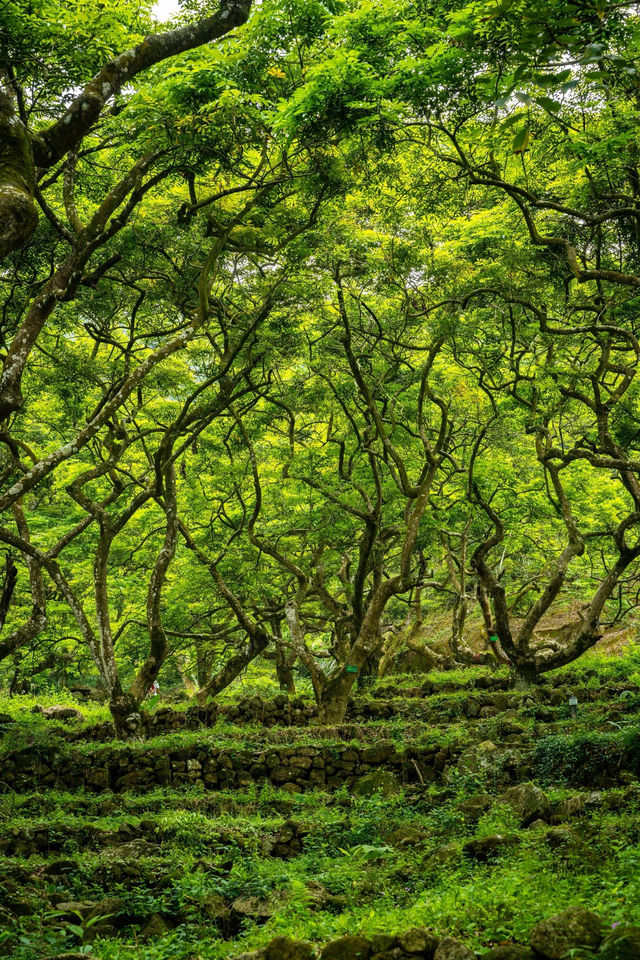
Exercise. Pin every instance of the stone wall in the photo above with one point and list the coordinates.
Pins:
(412, 704)
(294, 768)
(575, 932)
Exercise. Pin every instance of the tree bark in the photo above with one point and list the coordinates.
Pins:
(125, 711)
(21, 151)
(18, 213)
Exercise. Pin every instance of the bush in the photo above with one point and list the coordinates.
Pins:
(583, 759)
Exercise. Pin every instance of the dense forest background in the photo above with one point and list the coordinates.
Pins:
(319, 341)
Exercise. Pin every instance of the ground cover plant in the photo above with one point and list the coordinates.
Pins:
(319, 480)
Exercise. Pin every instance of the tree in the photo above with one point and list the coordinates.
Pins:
(26, 150)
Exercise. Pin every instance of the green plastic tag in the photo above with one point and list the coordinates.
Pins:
(493, 638)
(350, 669)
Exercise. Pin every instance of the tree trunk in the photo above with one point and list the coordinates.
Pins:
(285, 659)
(334, 698)
(370, 668)
(526, 674)
(8, 586)
(333, 707)
(234, 666)
(127, 720)
(18, 213)
(284, 671)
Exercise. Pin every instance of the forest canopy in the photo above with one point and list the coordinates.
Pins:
(319, 326)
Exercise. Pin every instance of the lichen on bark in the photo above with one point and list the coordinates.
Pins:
(18, 213)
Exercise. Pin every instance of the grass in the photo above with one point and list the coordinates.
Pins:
(368, 864)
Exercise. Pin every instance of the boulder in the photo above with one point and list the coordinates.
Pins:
(559, 837)
(111, 909)
(133, 850)
(106, 930)
(623, 943)
(73, 955)
(283, 948)
(213, 907)
(347, 948)
(380, 752)
(529, 803)
(382, 782)
(419, 940)
(406, 836)
(321, 899)
(479, 759)
(446, 853)
(474, 807)
(572, 929)
(19, 907)
(58, 868)
(73, 909)
(381, 945)
(252, 907)
(450, 949)
(156, 926)
(60, 712)
(509, 951)
(488, 848)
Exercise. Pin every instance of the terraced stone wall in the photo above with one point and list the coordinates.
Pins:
(295, 768)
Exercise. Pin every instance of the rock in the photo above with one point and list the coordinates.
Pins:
(381, 944)
(510, 728)
(19, 907)
(379, 752)
(60, 712)
(283, 948)
(488, 848)
(321, 899)
(407, 836)
(347, 948)
(573, 928)
(72, 909)
(106, 930)
(571, 807)
(478, 759)
(450, 949)
(474, 807)
(59, 867)
(528, 802)
(381, 782)
(70, 956)
(559, 837)
(133, 850)
(623, 943)
(509, 951)
(419, 940)
(156, 926)
(111, 909)
(252, 907)
(446, 853)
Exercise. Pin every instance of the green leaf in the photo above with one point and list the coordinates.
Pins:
(548, 104)
(521, 140)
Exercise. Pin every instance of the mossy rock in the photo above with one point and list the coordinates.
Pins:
(623, 943)
(576, 929)
(382, 782)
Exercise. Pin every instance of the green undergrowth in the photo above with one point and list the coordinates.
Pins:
(356, 853)
(364, 864)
